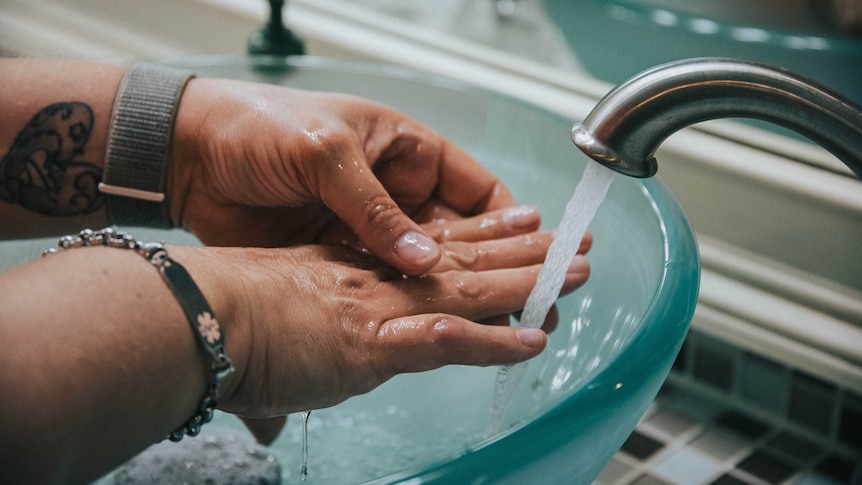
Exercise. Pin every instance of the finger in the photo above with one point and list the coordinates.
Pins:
(419, 163)
(485, 191)
(490, 225)
(499, 320)
(586, 243)
(510, 252)
(577, 274)
(265, 430)
(424, 342)
(552, 319)
(513, 252)
(357, 197)
(435, 212)
(474, 295)
(431, 214)
(551, 322)
(478, 295)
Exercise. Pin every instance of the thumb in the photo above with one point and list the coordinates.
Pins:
(360, 200)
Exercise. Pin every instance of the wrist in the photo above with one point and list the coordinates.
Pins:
(185, 151)
(138, 145)
(207, 267)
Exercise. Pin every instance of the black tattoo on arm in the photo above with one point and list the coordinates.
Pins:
(42, 171)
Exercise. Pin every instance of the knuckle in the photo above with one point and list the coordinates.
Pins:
(443, 331)
(381, 211)
(467, 256)
(469, 286)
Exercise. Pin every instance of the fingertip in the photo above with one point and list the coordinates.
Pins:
(552, 319)
(417, 252)
(586, 243)
(524, 217)
(577, 274)
(533, 338)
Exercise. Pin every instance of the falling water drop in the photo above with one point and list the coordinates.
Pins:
(303, 473)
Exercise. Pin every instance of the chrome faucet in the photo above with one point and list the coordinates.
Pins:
(627, 126)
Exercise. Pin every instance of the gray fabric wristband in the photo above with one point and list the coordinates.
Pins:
(138, 145)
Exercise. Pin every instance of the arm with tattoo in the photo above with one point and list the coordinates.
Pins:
(55, 119)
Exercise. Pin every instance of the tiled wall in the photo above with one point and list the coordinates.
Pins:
(730, 417)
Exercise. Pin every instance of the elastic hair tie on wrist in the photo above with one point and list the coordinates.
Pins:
(198, 312)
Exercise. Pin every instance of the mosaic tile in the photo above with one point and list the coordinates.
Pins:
(767, 468)
(836, 468)
(648, 480)
(614, 472)
(797, 449)
(714, 363)
(672, 422)
(742, 425)
(722, 445)
(687, 467)
(850, 427)
(728, 479)
(641, 446)
(764, 383)
(692, 435)
(819, 479)
(680, 364)
(698, 407)
(812, 403)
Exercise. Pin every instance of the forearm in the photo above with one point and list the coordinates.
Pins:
(55, 120)
(98, 361)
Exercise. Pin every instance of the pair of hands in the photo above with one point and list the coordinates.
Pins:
(357, 196)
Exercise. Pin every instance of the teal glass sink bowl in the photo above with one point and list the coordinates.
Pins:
(617, 339)
(616, 39)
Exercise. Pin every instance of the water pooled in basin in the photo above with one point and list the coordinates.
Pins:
(580, 210)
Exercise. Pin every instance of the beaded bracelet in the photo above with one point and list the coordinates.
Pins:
(195, 307)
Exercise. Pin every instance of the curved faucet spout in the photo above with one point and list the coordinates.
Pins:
(627, 126)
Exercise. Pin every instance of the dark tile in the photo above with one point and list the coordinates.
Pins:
(766, 467)
(648, 480)
(764, 383)
(743, 425)
(794, 447)
(850, 427)
(728, 480)
(641, 446)
(812, 403)
(837, 468)
(714, 363)
(681, 363)
(672, 422)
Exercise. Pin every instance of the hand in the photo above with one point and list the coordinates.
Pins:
(324, 323)
(261, 165)
(505, 238)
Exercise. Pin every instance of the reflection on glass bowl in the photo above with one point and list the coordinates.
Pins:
(616, 39)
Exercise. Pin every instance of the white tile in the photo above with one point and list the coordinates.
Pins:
(687, 467)
(614, 473)
(720, 445)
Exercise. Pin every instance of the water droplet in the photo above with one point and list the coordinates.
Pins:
(303, 473)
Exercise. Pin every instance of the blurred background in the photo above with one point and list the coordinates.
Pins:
(768, 387)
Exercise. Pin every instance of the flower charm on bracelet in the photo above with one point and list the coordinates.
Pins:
(208, 327)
